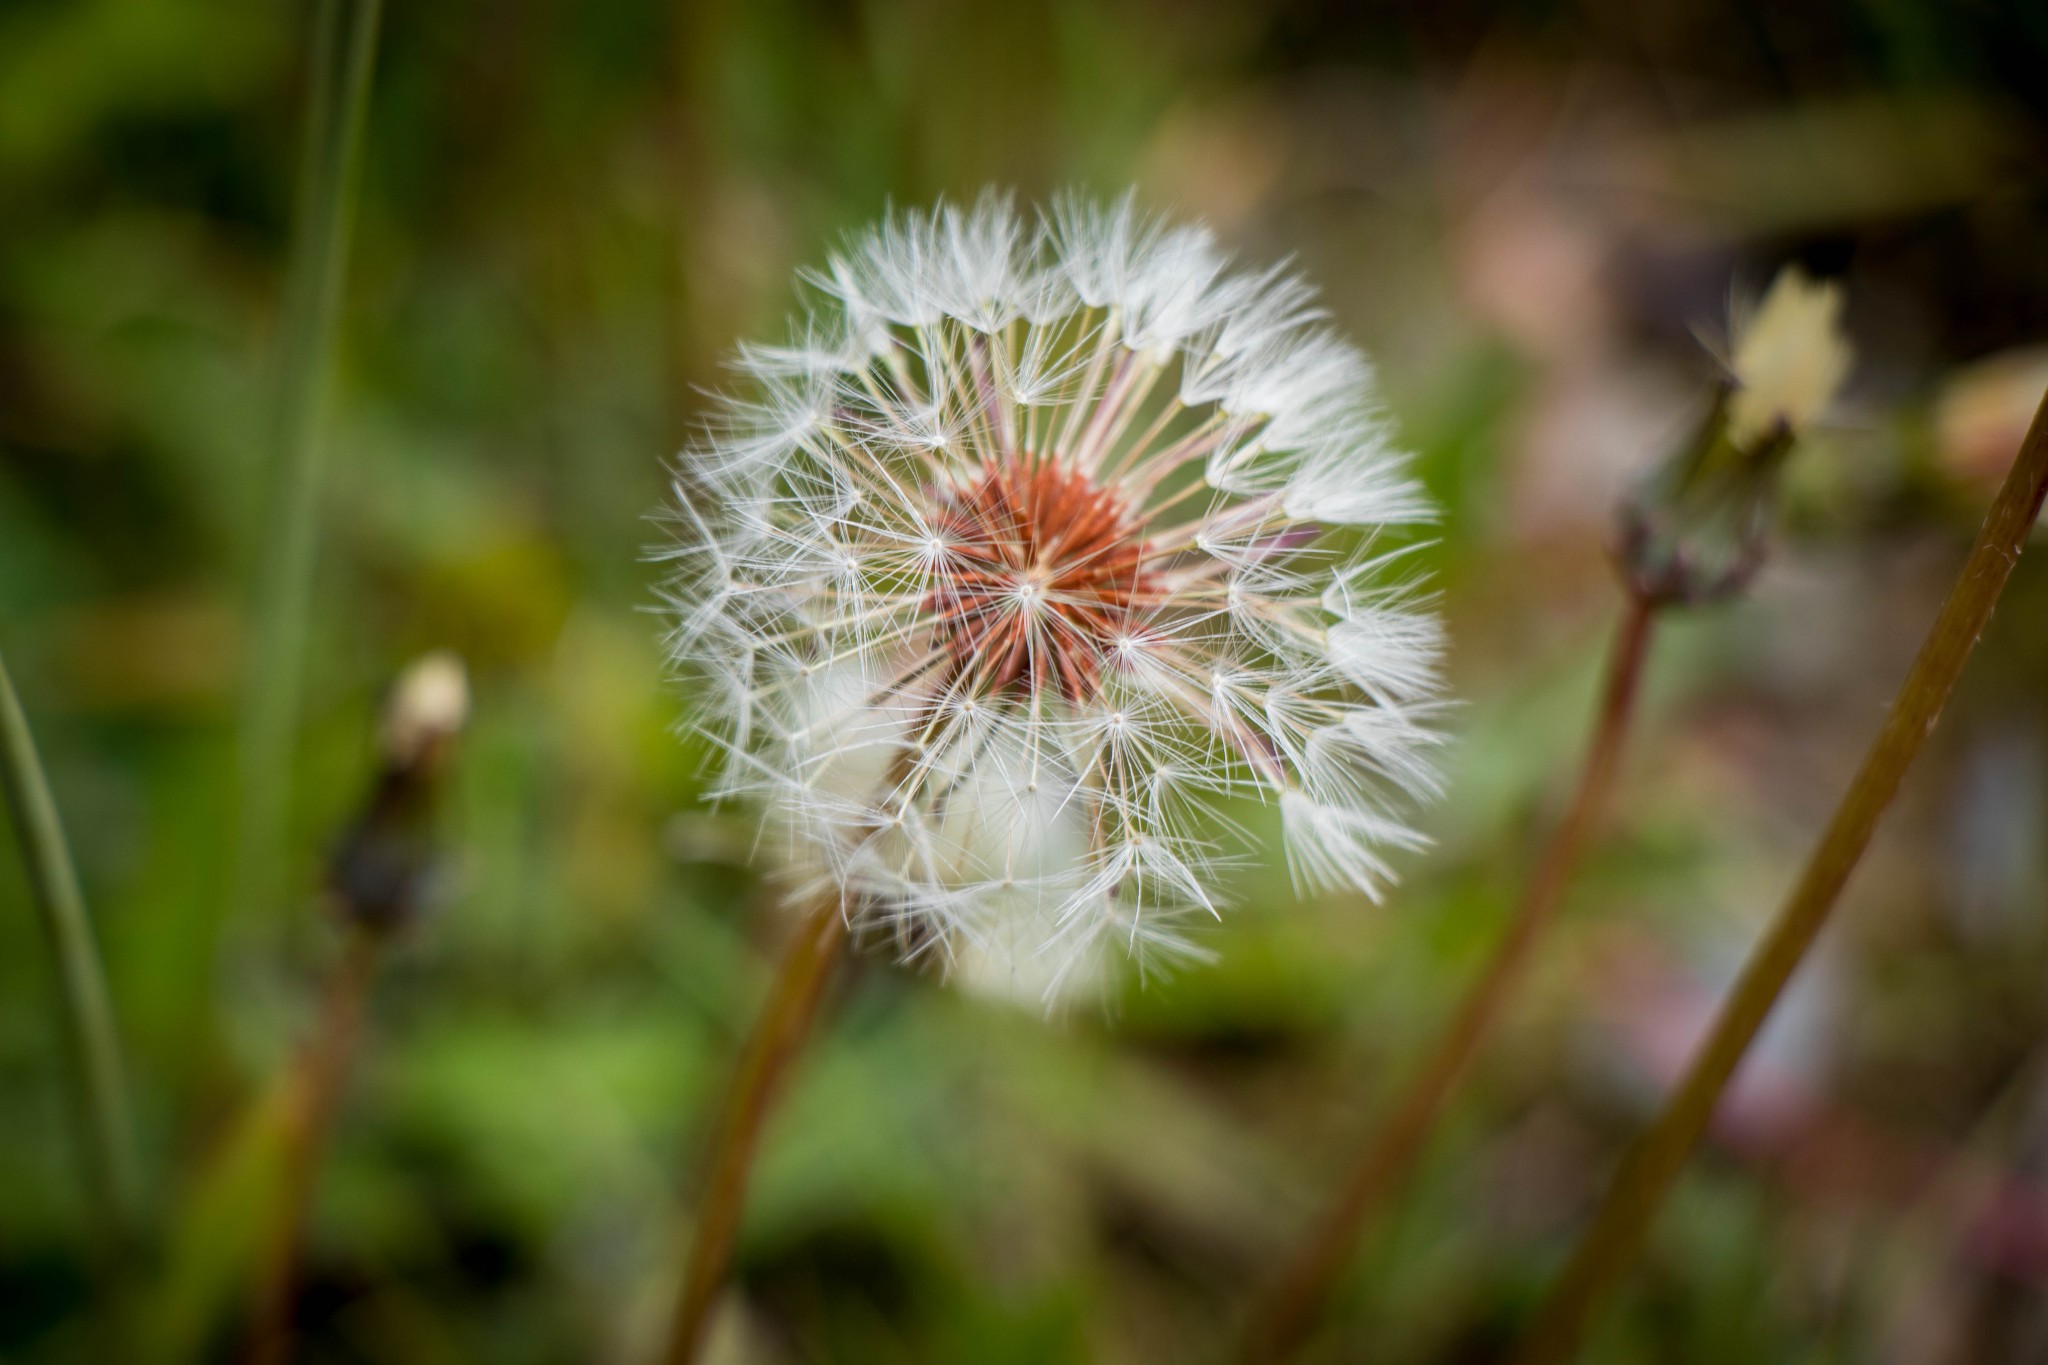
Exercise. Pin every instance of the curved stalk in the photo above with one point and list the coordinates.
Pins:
(1653, 1167)
(786, 1017)
(86, 1013)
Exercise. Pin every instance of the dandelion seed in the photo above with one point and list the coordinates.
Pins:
(1015, 563)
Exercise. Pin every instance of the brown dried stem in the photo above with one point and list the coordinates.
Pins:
(1286, 1313)
(308, 1118)
(1653, 1167)
(786, 1017)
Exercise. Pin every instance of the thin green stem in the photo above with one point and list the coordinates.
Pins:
(1285, 1314)
(1653, 1167)
(99, 1087)
(785, 1018)
(344, 56)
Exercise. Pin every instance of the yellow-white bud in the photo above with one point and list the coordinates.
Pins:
(1789, 358)
(429, 704)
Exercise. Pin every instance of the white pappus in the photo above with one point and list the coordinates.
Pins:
(1041, 540)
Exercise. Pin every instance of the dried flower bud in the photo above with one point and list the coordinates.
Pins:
(381, 870)
(1697, 530)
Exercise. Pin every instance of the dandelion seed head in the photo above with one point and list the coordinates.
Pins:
(1042, 536)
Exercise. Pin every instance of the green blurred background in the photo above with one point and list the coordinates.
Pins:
(1531, 214)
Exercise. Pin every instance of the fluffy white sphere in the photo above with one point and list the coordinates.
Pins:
(996, 579)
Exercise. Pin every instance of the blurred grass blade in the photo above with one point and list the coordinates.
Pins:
(344, 56)
(213, 1241)
(99, 1087)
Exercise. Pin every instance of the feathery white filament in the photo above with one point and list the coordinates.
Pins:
(1014, 562)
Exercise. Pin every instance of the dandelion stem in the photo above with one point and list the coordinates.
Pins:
(99, 1087)
(785, 1018)
(345, 33)
(1283, 1317)
(310, 1106)
(1648, 1174)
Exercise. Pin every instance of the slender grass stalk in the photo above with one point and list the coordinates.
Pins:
(785, 1018)
(344, 56)
(1283, 1317)
(99, 1088)
(309, 1117)
(1648, 1174)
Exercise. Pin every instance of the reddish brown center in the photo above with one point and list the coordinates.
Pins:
(1043, 572)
